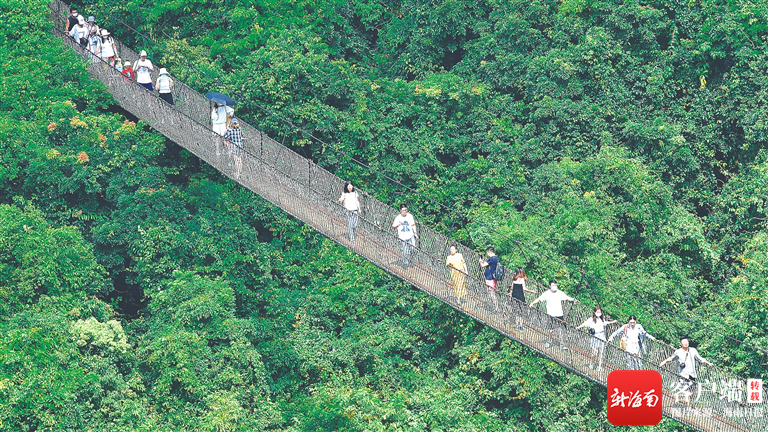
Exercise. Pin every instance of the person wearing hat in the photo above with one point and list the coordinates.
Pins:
(128, 72)
(78, 32)
(91, 26)
(94, 44)
(164, 86)
(234, 139)
(144, 69)
(107, 50)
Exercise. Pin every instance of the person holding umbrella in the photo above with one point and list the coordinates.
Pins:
(221, 115)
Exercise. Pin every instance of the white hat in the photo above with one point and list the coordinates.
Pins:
(163, 71)
(104, 32)
(143, 53)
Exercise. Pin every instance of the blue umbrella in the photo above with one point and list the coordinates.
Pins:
(221, 98)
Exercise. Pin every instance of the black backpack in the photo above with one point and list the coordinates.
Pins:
(498, 274)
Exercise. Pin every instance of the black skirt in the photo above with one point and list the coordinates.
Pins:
(517, 292)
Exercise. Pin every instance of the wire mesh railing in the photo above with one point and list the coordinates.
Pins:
(309, 192)
(669, 319)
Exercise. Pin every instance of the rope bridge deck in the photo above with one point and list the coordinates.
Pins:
(308, 192)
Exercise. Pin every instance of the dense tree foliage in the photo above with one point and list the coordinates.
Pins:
(139, 290)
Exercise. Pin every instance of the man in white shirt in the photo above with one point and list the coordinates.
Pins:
(554, 299)
(406, 232)
(686, 357)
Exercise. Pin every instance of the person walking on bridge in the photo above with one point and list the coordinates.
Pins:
(143, 69)
(406, 232)
(633, 337)
(107, 49)
(491, 269)
(685, 357)
(72, 19)
(91, 25)
(517, 292)
(458, 268)
(554, 299)
(219, 115)
(164, 86)
(234, 138)
(351, 201)
(596, 325)
(79, 33)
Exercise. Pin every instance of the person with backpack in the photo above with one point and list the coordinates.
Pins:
(351, 201)
(633, 337)
(164, 86)
(685, 357)
(494, 273)
(517, 292)
(405, 226)
(458, 270)
(91, 26)
(596, 325)
(554, 299)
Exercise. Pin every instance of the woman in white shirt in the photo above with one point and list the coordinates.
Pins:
(107, 48)
(596, 324)
(164, 86)
(351, 201)
(634, 335)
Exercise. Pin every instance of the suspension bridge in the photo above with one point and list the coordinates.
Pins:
(308, 192)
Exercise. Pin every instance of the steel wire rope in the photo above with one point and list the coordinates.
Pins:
(652, 305)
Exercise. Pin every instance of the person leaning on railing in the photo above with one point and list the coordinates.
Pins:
(554, 299)
(633, 342)
(596, 325)
(686, 357)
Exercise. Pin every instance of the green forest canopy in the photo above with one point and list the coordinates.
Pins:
(142, 291)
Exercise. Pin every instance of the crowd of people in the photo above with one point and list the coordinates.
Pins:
(100, 46)
(632, 334)
(99, 43)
